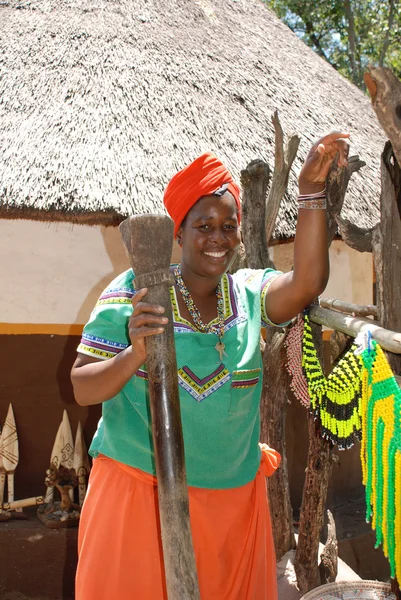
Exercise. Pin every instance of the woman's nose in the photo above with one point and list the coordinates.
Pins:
(217, 235)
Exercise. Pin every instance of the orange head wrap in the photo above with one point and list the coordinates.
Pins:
(203, 177)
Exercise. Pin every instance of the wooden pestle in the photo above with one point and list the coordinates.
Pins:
(148, 240)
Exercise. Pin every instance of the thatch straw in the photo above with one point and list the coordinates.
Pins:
(102, 102)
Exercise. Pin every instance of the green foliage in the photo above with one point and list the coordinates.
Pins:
(348, 34)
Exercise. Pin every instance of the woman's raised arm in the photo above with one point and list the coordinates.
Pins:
(290, 293)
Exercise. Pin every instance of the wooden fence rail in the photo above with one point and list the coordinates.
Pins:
(388, 340)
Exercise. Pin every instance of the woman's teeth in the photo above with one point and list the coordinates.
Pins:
(216, 254)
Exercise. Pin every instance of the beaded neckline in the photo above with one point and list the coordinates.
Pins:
(218, 328)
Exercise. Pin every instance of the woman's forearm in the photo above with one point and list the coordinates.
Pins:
(289, 294)
(311, 257)
(97, 382)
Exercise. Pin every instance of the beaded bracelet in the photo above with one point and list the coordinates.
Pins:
(318, 204)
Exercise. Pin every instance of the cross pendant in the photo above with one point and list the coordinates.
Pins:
(220, 349)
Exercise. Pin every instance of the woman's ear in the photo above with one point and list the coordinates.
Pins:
(178, 237)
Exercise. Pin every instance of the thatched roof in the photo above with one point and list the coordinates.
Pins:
(101, 102)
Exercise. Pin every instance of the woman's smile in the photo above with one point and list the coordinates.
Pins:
(217, 255)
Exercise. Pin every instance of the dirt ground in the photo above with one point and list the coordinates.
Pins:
(356, 549)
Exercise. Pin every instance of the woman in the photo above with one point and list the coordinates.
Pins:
(217, 320)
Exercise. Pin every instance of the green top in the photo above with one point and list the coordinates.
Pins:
(219, 402)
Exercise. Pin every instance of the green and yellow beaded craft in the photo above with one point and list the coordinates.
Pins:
(361, 399)
(381, 453)
(335, 399)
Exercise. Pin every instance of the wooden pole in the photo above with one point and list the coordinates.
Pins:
(148, 240)
(356, 310)
(388, 340)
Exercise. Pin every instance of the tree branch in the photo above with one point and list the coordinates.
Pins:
(336, 186)
(355, 237)
(354, 59)
(387, 42)
(255, 180)
(385, 90)
(283, 160)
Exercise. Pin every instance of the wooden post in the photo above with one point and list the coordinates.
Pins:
(258, 221)
(255, 180)
(273, 409)
(385, 90)
(314, 496)
(149, 240)
(387, 249)
(319, 454)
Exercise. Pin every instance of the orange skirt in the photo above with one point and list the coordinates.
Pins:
(120, 551)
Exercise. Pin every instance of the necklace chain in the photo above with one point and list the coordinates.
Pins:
(193, 310)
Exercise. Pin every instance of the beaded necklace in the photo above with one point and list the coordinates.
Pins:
(196, 316)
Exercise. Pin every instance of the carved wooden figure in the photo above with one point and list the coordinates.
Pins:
(81, 463)
(19, 504)
(63, 451)
(9, 451)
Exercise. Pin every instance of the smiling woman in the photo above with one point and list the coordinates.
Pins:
(217, 319)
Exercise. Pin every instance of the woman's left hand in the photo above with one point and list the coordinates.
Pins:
(319, 160)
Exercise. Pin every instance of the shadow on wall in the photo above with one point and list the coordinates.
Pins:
(115, 251)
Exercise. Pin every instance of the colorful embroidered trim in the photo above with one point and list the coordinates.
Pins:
(246, 378)
(266, 322)
(99, 347)
(116, 296)
(202, 388)
(381, 453)
(142, 374)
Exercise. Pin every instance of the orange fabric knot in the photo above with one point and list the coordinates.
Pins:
(202, 177)
(270, 460)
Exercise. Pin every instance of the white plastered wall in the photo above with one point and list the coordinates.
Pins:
(54, 272)
(351, 272)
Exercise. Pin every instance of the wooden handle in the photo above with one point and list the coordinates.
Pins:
(148, 240)
(34, 501)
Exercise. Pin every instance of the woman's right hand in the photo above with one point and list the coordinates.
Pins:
(146, 320)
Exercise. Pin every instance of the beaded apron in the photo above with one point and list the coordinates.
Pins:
(360, 399)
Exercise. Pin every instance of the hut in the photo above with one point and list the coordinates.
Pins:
(100, 104)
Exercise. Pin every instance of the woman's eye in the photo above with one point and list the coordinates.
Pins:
(204, 227)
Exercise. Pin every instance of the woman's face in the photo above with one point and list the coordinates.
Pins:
(210, 236)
